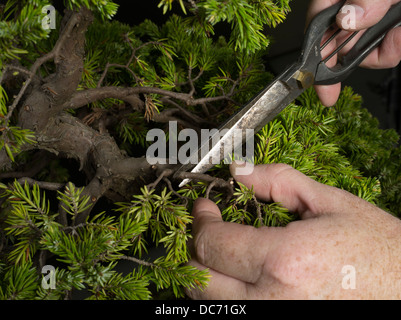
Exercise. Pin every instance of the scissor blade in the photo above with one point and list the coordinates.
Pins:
(255, 115)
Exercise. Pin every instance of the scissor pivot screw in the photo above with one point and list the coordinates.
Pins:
(305, 79)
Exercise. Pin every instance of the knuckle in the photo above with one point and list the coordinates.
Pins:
(194, 293)
(294, 263)
(292, 271)
(206, 236)
(200, 245)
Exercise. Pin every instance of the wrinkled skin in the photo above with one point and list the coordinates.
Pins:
(342, 248)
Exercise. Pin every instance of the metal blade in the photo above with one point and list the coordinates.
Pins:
(255, 115)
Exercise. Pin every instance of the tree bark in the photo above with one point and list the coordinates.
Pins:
(42, 103)
(43, 111)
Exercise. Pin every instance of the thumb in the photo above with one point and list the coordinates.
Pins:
(362, 14)
(281, 183)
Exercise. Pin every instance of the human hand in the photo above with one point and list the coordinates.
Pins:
(368, 13)
(306, 259)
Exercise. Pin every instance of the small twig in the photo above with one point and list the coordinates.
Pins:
(42, 184)
(185, 112)
(214, 182)
(83, 225)
(258, 210)
(165, 173)
(205, 110)
(218, 182)
(30, 224)
(209, 188)
(17, 68)
(85, 97)
(191, 82)
(109, 65)
(126, 66)
(170, 187)
(168, 115)
(139, 261)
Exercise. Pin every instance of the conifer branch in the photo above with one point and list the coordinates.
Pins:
(85, 97)
(42, 184)
(183, 175)
(53, 54)
(140, 261)
(127, 65)
(172, 71)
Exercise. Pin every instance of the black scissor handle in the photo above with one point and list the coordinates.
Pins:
(370, 40)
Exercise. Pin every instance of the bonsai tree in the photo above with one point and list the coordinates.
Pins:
(79, 92)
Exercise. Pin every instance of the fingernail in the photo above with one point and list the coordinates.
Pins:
(236, 164)
(241, 168)
(239, 163)
(350, 15)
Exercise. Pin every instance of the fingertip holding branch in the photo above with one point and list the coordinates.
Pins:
(241, 168)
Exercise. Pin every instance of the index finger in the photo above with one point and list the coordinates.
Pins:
(295, 191)
(317, 6)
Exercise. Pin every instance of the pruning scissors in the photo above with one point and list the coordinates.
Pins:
(310, 69)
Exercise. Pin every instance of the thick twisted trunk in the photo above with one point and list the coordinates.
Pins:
(42, 103)
(42, 111)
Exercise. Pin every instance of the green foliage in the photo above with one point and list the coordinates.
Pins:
(217, 67)
(247, 19)
(3, 102)
(22, 33)
(132, 129)
(20, 26)
(166, 222)
(12, 138)
(91, 250)
(308, 136)
(244, 208)
(340, 146)
(167, 5)
(71, 200)
(18, 282)
(165, 57)
(104, 9)
(28, 216)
